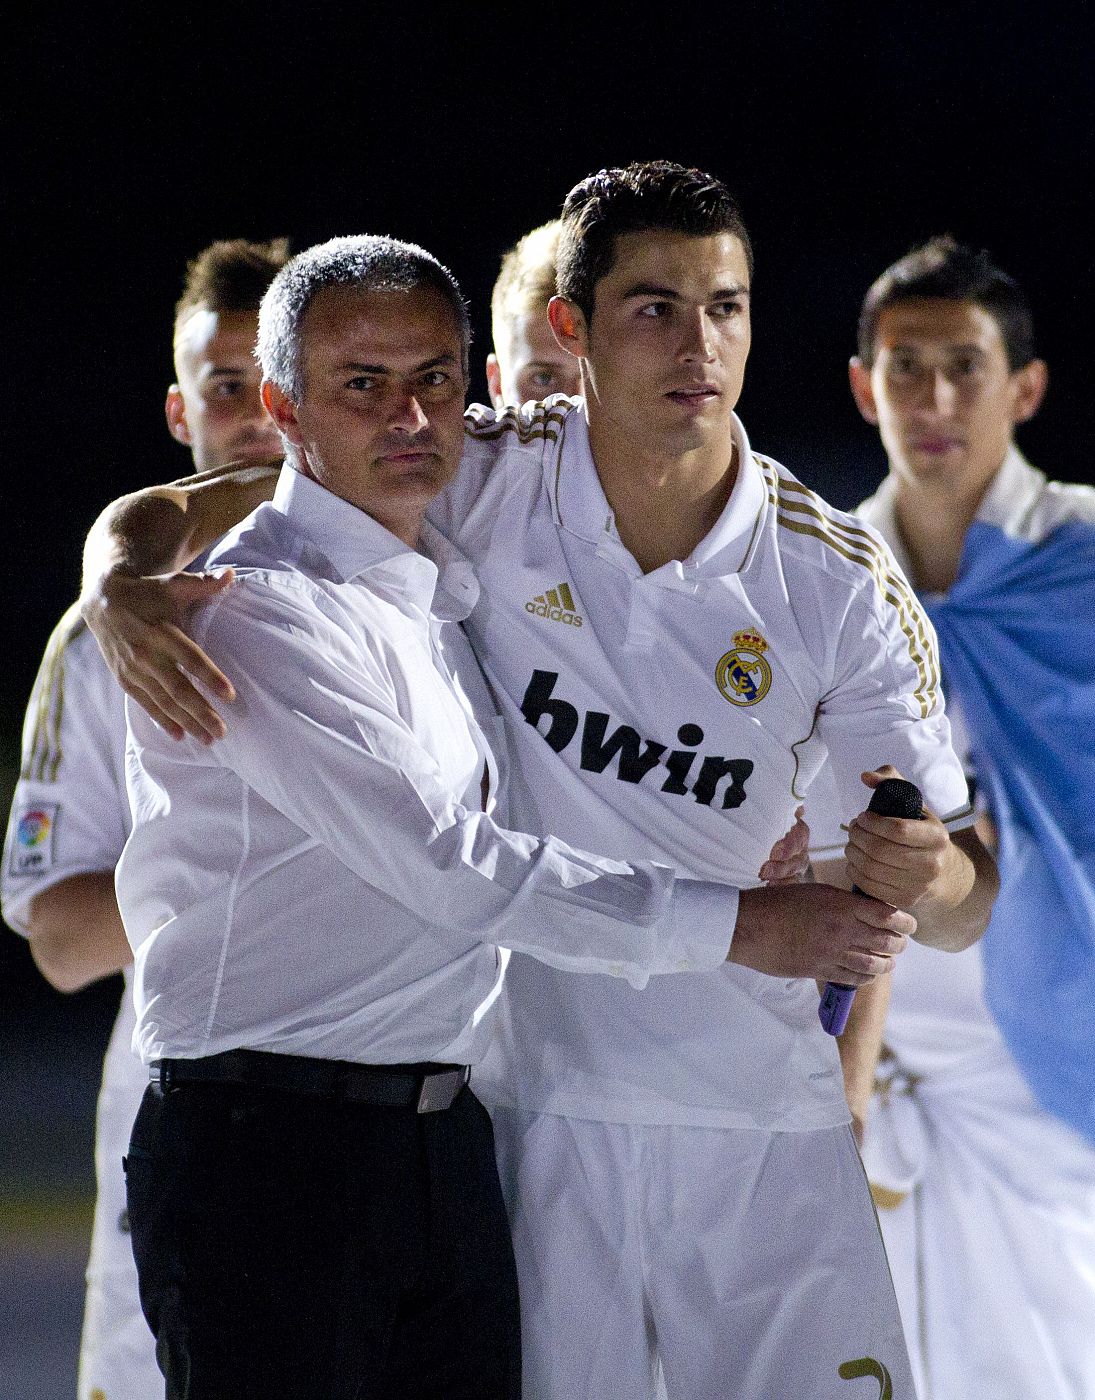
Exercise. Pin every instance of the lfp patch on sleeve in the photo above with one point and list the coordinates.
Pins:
(33, 848)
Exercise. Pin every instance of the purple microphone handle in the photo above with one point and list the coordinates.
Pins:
(893, 797)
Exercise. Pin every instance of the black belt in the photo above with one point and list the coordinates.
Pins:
(425, 1087)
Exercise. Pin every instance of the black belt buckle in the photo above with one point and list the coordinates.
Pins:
(440, 1090)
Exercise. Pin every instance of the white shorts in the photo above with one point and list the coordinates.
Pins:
(117, 1349)
(750, 1264)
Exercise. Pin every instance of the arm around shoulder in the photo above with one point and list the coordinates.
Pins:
(137, 614)
(162, 529)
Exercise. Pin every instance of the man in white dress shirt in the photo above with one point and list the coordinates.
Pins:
(983, 1170)
(70, 813)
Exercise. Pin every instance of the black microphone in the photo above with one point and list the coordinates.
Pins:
(893, 797)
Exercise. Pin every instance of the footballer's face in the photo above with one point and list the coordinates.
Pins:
(214, 408)
(942, 394)
(380, 420)
(664, 352)
(530, 364)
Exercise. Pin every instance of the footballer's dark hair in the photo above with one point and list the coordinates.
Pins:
(231, 275)
(947, 270)
(656, 194)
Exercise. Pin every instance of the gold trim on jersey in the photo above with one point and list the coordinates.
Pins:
(863, 1366)
(544, 424)
(42, 753)
(856, 545)
(801, 796)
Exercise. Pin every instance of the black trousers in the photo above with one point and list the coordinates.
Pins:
(291, 1247)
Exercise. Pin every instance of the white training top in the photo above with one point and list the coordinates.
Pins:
(680, 716)
(938, 1019)
(324, 881)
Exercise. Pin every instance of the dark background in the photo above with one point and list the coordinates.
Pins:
(849, 133)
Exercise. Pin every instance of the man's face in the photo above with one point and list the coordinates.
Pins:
(942, 394)
(215, 408)
(664, 353)
(381, 417)
(530, 364)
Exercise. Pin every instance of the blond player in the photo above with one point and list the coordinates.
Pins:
(70, 815)
(527, 362)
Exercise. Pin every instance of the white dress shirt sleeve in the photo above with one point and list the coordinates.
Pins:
(319, 730)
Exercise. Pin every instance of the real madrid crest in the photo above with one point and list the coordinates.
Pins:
(743, 675)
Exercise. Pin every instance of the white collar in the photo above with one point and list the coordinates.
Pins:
(582, 508)
(1011, 494)
(1006, 503)
(439, 579)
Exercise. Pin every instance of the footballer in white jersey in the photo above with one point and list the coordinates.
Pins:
(987, 1202)
(683, 712)
(70, 816)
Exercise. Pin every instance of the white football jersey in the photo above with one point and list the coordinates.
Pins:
(70, 813)
(70, 816)
(681, 715)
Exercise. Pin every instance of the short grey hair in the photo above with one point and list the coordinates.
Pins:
(367, 262)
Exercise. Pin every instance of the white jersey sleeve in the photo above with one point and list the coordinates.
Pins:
(70, 814)
(509, 443)
(886, 706)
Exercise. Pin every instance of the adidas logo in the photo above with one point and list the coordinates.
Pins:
(556, 604)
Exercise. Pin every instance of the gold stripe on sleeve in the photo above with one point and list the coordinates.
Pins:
(544, 424)
(858, 547)
(858, 538)
(42, 747)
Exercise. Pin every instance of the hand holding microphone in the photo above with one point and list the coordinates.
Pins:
(893, 797)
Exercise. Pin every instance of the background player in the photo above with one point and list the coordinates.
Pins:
(527, 363)
(703, 576)
(70, 814)
(982, 1140)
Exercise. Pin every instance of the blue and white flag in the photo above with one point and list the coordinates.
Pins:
(1017, 640)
